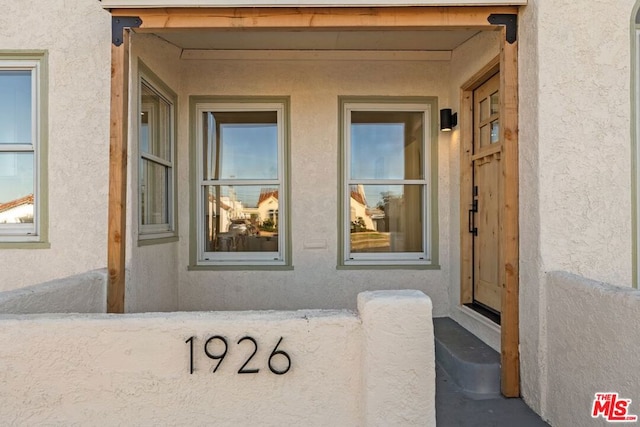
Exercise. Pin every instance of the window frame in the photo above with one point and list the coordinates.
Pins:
(165, 232)
(33, 235)
(428, 257)
(201, 259)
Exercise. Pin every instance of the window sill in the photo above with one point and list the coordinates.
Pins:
(148, 240)
(24, 245)
(240, 267)
(388, 267)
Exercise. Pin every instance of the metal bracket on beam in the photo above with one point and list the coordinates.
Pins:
(510, 21)
(119, 23)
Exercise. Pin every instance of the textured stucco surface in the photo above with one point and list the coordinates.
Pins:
(118, 370)
(593, 345)
(395, 361)
(583, 137)
(79, 72)
(532, 296)
(82, 293)
(152, 271)
(314, 87)
(575, 199)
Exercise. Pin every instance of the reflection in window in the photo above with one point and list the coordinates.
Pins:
(241, 197)
(156, 160)
(386, 183)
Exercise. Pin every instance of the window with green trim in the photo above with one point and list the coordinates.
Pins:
(241, 189)
(157, 152)
(386, 183)
(22, 143)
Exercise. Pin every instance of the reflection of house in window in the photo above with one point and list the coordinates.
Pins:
(361, 214)
(268, 206)
(18, 211)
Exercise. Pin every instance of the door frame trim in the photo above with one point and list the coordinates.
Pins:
(506, 64)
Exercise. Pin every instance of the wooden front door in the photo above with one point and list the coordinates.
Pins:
(484, 215)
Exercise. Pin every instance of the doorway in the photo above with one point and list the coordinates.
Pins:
(484, 214)
(489, 204)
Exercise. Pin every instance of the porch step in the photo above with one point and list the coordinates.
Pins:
(473, 365)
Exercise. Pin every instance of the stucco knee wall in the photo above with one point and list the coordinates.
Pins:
(593, 343)
(372, 368)
(82, 293)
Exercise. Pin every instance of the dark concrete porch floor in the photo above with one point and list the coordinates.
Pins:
(454, 409)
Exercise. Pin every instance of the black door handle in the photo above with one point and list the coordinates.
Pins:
(472, 225)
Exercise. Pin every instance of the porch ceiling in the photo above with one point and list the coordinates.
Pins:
(384, 40)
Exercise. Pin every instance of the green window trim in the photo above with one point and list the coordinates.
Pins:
(234, 260)
(166, 232)
(346, 104)
(37, 61)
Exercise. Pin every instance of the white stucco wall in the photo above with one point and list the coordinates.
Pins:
(575, 192)
(593, 343)
(152, 270)
(584, 138)
(82, 293)
(375, 369)
(314, 87)
(78, 117)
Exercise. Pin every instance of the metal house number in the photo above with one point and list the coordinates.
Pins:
(216, 347)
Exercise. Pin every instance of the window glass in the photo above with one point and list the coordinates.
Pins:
(15, 107)
(242, 206)
(241, 218)
(156, 171)
(16, 188)
(154, 188)
(241, 145)
(386, 183)
(386, 218)
(386, 145)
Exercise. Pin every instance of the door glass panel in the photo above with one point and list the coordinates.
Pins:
(495, 131)
(484, 109)
(386, 218)
(241, 145)
(386, 145)
(495, 103)
(241, 218)
(16, 188)
(485, 135)
(15, 107)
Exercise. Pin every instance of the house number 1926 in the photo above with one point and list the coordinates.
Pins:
(216, 347)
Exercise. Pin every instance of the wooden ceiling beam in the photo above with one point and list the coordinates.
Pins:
(353, 18)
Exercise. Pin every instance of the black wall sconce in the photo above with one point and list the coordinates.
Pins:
(447, 120)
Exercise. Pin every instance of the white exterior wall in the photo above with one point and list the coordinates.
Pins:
(375, 369)
(593, 343)
(575, 201)
(76, 34)
(152, 270)
(584, 138)
(314, 87)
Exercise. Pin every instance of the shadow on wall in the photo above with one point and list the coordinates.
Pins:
(82, 293)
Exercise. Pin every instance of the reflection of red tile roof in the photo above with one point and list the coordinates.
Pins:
(26, 200)
(358, 197)
(266, 193)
